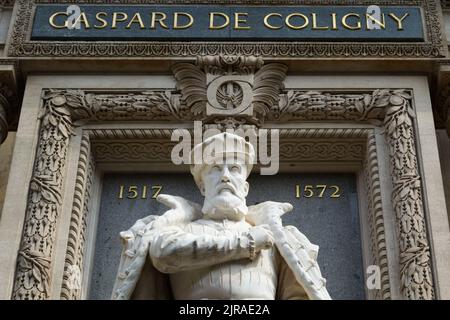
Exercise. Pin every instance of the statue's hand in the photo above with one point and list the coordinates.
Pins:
(181, 210)
(268, 212)
(262, 236)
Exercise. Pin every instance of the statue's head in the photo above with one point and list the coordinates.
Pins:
(224, 162)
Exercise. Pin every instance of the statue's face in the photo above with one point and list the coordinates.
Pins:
(225, 187)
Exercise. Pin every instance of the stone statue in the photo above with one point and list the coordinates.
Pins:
(223, 250)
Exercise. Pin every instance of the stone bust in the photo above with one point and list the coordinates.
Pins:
(224, 249)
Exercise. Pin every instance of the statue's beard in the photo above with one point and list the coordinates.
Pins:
(225, 206)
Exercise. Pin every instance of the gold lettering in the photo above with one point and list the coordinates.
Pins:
(132, 192)
(336, 193)
(82, 19)
(100, 19)
(315, 26)
(176, 23)
(317, 191)
(374, 20)
(266, 21)
(116, 18)
(212, 16)
(399, 20)
(136, 19)
(290, 25)
(158, 190)
(121, 192)
(347, 26)
(51, 20)
(334, 21)
(160, 20)
(238, 20)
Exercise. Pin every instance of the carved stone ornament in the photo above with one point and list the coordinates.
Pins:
(230, 86)
(433, 47)
(7, 3)
(62, 109)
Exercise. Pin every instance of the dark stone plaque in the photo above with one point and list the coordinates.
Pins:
(227, 23)
(325, 210)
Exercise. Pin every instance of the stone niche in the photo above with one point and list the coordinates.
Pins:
(328, 219)
(95, 133)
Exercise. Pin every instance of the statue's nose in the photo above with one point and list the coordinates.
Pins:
(225, 175)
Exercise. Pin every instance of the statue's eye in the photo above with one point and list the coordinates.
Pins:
(216, 168)
(235, 169)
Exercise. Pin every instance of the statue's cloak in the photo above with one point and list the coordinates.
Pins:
(138, 279)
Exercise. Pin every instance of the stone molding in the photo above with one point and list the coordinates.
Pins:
(375, 218)
(433, 47)
(74, 261)
(136, 146)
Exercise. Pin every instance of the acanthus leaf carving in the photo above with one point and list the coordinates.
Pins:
(44, 200)
(191, 81)
(268, 84)
(415, 260)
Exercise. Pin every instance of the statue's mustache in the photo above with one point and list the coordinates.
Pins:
(226, 185)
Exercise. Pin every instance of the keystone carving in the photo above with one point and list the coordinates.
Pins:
(224, 86)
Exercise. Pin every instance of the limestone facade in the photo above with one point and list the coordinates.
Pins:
(63, 101)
